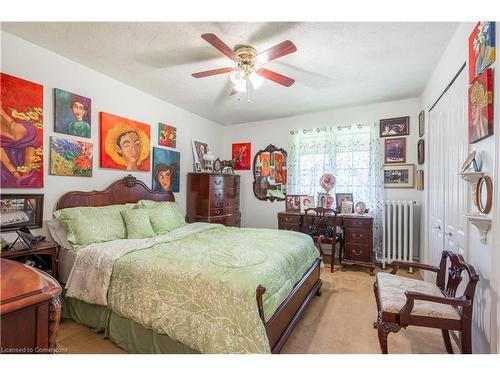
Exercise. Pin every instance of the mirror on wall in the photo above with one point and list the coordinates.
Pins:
(269, 174)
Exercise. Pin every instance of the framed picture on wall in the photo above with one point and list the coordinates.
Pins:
(395, 150)
(481, 107)
(420, 180)
(399, 176)
(391, 127)
(421, 152)
(421, 124)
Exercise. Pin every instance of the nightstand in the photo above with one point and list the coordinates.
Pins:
(45, 255)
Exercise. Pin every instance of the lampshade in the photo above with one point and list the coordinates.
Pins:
(242, 86)
(256, 80)
(237, 76)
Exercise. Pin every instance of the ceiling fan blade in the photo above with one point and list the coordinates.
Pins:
(276, 77)
(233, 92)
(220, 45)
(212, 72)
(279, 50)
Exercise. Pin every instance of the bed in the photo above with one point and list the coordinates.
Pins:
(215, 276)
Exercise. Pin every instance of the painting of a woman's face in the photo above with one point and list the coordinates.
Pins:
(79, 110)
(164, 178)
(129, 146)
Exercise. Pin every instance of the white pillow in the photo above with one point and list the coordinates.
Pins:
(58, 233)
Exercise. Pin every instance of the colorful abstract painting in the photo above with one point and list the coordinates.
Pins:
(241, 153)
(167, 135)
(72, 114)
(481, 48)
(124, 144)
(166, 170)
(21, 136)
(481, 107)
(69, 157)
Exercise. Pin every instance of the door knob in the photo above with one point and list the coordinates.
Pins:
(448, 234)
(438, 227)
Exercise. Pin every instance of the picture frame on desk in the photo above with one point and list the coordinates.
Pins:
(292, 203)
(344, 197)
(20, 210)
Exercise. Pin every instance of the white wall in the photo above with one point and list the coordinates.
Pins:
(485, 258)
(263, 214)
(28, 61)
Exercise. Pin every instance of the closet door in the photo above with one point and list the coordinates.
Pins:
(448, 148)
(456, 146)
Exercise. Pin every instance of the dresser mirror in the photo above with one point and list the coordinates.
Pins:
(269, 174)
(484, 194)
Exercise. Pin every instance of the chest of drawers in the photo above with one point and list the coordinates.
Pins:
(357, 245)
(213, 198)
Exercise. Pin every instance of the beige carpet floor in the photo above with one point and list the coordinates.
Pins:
(339, 321)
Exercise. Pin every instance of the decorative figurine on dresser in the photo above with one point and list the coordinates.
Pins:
(213, 198)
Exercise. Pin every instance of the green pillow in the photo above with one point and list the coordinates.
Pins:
(137, 223)
(87, 225)
(164, 216)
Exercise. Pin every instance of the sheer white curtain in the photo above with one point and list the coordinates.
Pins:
(352, 153)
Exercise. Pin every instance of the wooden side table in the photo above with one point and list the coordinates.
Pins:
(46, 250)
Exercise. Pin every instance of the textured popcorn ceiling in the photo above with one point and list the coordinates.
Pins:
(336, 64)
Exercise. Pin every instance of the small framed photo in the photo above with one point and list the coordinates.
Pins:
(18, 210)
(420, 180)
(347, 208)
(391, 127)
(421, 152)
(421, 124)
(344, 197)
(306, 201)
(293, 203)
(199, 151)
(325, 200)
(395, 150)
(197, 167)
(399, 176)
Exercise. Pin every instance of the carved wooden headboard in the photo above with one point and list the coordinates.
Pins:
(126, 190)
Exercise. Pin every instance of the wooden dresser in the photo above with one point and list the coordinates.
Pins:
(213, 198)
(357, 234)
(30, 309)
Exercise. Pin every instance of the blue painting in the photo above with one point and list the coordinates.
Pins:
(71, 114)
(166, 170)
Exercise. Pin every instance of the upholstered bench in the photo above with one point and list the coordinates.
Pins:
(402, 301)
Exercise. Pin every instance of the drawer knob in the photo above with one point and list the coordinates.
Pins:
(218, 182)
(287, 219)
(357, 236)
(357, 252)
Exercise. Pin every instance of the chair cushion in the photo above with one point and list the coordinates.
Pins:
(391, 292)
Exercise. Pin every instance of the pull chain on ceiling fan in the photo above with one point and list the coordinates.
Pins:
(247, 70)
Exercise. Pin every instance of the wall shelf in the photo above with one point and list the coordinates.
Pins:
(472, 178)
(481, 222)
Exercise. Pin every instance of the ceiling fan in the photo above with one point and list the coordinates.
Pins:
(248, 62)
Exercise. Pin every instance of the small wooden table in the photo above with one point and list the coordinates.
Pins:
(357, 232)
(46, 250)
(30, 309)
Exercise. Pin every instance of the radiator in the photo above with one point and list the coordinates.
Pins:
(400, 228)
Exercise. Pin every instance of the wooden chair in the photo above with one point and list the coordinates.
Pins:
(319, 226)
(402, 301)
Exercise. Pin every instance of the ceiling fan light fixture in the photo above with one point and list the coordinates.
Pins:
(237, 76)
(256, 80)
(242, 86)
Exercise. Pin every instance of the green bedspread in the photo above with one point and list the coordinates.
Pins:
(200, 289)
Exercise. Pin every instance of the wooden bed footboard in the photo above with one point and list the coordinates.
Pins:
(281, 324)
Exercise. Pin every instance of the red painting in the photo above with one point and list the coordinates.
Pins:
(481, 107)
(481, 48)
(278, 167)
(21, 136)
(125, 144)
(241, 155)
